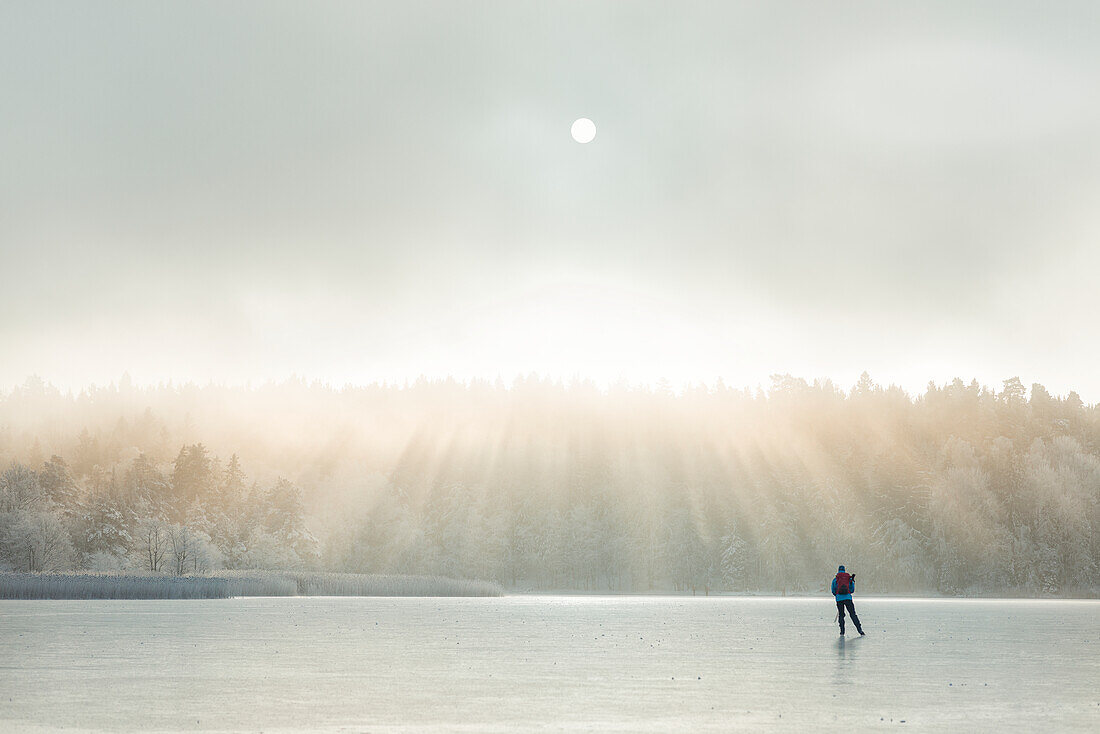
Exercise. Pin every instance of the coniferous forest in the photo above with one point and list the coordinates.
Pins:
(543, 485)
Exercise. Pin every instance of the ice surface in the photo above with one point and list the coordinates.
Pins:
(547, 663)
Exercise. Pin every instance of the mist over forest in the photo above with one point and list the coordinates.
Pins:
(546, 485)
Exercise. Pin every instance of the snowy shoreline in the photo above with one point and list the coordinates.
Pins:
(228, 584)
(1093, 595)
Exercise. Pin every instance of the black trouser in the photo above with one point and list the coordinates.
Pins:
(851, 610)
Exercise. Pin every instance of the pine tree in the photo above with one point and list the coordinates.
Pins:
(192, 477)
(733, 560)
(59, 486)
(106, 525)
(146, 488)
(286, 521)
(232, 488)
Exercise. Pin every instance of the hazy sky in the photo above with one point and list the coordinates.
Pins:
(359, 191)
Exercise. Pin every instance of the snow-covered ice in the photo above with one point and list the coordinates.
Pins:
(548, 663)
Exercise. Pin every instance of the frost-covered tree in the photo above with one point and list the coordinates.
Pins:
(232, 488)
(733, 560)
(152, 543)
(581, 549)
(19, 489)
(901, 555)
(147, 487)
(190, 550)
(59, 486)
(193, 477)
(687, 552)
(777, 546)
(33, 540)
(286, 521)
(263, 550)
(105, 525)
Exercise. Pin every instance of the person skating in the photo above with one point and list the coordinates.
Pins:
(844, 584)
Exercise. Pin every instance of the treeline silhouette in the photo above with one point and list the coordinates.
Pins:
(548, 485)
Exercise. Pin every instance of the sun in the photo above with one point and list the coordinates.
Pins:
(583, 130)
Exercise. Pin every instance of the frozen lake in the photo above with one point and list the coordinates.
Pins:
(547, 663)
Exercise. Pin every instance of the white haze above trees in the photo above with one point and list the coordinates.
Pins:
(554, 486)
